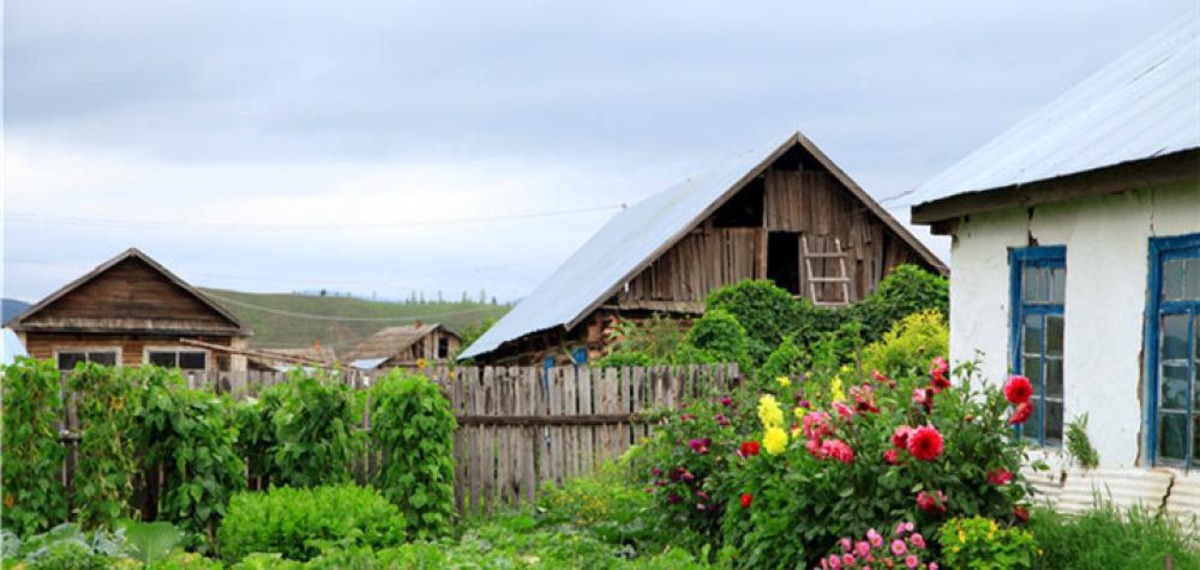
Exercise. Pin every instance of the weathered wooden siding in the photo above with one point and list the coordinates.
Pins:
(702, 261)
(132, 347)
(131, 293)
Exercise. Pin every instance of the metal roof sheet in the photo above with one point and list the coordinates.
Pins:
(635, 236)
(1145, 104)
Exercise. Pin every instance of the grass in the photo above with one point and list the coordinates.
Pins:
(272, 329)
(1107, 539)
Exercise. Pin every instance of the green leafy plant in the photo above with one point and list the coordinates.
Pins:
(767, 312)
(33, 495)
(298, 522)
(256, 435)
(1105, 538)
(314, 432)
(788, 360)
(414, 426)
(185, 435)
(979, 543)
(606, 504)
(151, 542)
(646, 342)
(1079, 445)
(910, 344)
(66, 547)
(108, 407)
(716, 338)
(906, 290)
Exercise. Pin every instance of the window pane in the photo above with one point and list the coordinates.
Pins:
(1191, 280)
(1032, 334)
(1174, 338)
(1033, 425)
(1030, 278)
(1032, 369)
(1054, 377)
(1054, 335)
(1174, 384)
(1059, 288)
(1172, 436)
(106, 358)
(164, 359)
(68, 360)
(1054, 423)
(191, 360)
(1173, 279)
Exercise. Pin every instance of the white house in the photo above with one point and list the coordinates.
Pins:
(1076, 257)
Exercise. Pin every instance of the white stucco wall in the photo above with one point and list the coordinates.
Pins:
(1107, 243)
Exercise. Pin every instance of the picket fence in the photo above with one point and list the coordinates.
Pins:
(519, 427)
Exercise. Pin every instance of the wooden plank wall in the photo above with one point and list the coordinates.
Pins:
(701, 262)
(519, 427)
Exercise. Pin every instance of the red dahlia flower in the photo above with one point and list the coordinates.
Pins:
(932, 502)
(1018, 390)
(747, 500)
(900, 436)
(838, 450)
(816, 425)
(892, 457)
(750, 448)
(1024, 410)
(923, 397)
(1000, 477)
(925, 443)
(843, 410)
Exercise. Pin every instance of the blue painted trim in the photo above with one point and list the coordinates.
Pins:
(1018, 259)
(1163, 249)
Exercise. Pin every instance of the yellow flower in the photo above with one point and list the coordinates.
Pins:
(769, 412)
(775, 440)
(784, 381)
(796, 431)
(798, 413)
(835, 389)
(421, 363)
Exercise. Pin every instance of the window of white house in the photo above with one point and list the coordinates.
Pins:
(1173, 346)
(67, 359)
(183, 359)
(1038, 288)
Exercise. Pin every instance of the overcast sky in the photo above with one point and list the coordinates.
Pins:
(381, 147)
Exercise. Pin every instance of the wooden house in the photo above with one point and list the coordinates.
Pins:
(131, 311)
(1077, 259)
(787, 214)
(404, 346)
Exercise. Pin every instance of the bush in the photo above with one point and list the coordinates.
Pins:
(716, 338)
(604, 503)
(108, 408)
(66, 547)
(788, 359)
(1107, 539)
(33, 495)
(414, 426)
(767, 312)
(906, 290)
(298, 522)
(911, 343)
(647, 342)
(982, 544)
(313, 432)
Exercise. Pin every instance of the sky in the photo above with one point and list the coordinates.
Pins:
(386, 147)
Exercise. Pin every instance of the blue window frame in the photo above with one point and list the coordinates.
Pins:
(1038, 289)
(1173, 350)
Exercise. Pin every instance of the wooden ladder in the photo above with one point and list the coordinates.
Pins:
(813, 281)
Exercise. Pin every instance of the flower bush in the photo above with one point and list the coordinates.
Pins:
(905, 548)
(980, 543)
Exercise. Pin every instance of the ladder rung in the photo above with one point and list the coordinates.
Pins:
(829, 279)
(828, 255)
(829, 303)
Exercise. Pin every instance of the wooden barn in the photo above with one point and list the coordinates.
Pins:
(789, 215)
(404, 346)
(131, 311)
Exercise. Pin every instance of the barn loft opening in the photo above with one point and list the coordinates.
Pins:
(783, 260)
(744, 209)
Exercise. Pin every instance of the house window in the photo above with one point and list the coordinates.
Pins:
(1038, 295)
(182, 359)
(1173, 346)
(68, 359)
(443, 350)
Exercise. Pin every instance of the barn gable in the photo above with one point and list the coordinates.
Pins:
(667, 252)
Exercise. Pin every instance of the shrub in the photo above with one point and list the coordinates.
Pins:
(910, 344)
(716, 338)
(33, 495)
(414, 426)
(901, 548)
(788, 359)
(298, 522)
(185, 434)
(314, 432)
(108, 408)
(604, 503)
(256, 435)
(1107, 539)
(642, 343)
(767, 312)
(906, 290)
(982, 544)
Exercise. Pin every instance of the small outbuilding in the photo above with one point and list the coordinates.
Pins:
(129, 311)
(404, 346)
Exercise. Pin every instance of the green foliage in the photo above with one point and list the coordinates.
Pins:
(414, 426)
(471, 333)
(978, 543)
(606, 504)
(715, 338)
(1107, 539)
(153, 542)
(298, 522)
(186, 436)
(66, 547)
(646, 342)
(108, 404)
(256, 434)
(767, 312)
(314, 432)
(33, 495)
(906, 290)
(1079, 445)
(910, 344)
(788, 359)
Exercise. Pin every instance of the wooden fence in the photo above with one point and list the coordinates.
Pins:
(519, 427)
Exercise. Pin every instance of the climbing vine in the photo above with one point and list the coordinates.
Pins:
(31, 405)
(314, 433)
(108, 405)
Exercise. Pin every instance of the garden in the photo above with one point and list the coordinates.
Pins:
(850, 443)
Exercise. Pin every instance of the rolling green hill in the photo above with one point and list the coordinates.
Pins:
(279, 319)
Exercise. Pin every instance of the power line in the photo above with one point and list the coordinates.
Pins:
(177, 225)
(423, 316)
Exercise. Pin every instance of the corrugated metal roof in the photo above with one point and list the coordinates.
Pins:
(1123, 487)
(1145, 104)
(634, 237)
